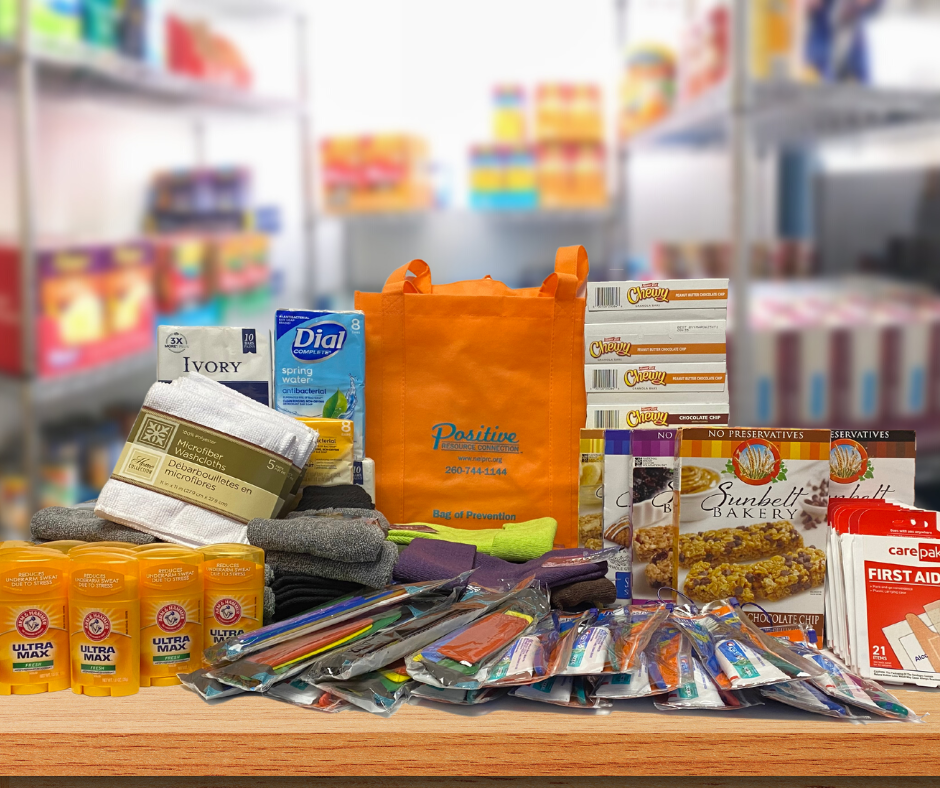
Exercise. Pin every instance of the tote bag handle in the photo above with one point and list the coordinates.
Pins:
(399, 281)
(565, 284)
(571, 273)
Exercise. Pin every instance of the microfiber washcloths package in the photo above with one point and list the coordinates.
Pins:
(320, 367)
(202, 461)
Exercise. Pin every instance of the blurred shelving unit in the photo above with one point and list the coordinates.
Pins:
(30, 69)
(751, 119)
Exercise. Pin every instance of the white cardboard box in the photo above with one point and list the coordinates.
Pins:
(681, 299)
(659, 341)
(640, 416)
(656, 379)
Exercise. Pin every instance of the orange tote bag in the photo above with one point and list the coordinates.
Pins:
(475, 397)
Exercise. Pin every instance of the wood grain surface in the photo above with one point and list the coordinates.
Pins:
(171, 732)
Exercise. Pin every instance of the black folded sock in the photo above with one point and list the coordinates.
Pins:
(341, 496)
(296, 594)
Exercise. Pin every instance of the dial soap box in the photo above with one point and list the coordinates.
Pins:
(320, 367)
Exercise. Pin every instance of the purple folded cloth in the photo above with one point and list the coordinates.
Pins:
(430, 559)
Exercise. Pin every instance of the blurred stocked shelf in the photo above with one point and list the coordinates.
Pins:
(95, 380)
(791, 113)
(248, 8)
(522, 216)
(107, 74)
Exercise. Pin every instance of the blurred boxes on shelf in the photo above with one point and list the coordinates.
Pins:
(129, 297)
(564, 165)
(503, 177)
(53, 21)
(849, 353)
(693, 260)
(569, 113)
(648, 88)
(194, 49)
(510, 126)
(208, 279)
(208, 199)
(706, 51)
(96, 304)
(572, 175)
(181, 271)
(383, 172)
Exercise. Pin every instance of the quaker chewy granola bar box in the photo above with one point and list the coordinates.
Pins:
(752, 519)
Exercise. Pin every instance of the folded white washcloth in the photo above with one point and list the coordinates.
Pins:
(197, 399)
(166, 518)
(299, 439)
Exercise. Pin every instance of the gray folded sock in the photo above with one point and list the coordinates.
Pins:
(61, 522)
(349, 541)
(375, 574)
(357, 514)
(268, 605)
(268, 575)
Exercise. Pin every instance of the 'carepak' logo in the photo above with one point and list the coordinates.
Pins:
(491, 440)
(648, 292)
(32, 623)
(647, 416)
(318, 342)
(96, 626)
(227, 611)
(603, 347)
(929, 553)
(171, 618)
(633, 377)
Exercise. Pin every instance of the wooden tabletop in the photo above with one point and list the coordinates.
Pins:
(169, 731)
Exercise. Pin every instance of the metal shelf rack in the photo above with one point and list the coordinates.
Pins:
(26, 68)
(750, 119)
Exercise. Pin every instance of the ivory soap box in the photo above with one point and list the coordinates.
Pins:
(668, 299)
(320, 367)
(659, 341)
(239, 358)
(641, 380)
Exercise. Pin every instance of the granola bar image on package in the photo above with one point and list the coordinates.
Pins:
(744, 497)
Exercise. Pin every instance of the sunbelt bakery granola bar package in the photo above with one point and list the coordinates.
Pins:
(742, 530)
(875, 464)
(655, 479)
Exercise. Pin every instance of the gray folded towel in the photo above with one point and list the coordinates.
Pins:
(349, 541)
(61, 522)
(375, 574)
(361, 514)
(268, 605)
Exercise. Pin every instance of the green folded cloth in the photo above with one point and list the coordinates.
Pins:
(512, 542)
